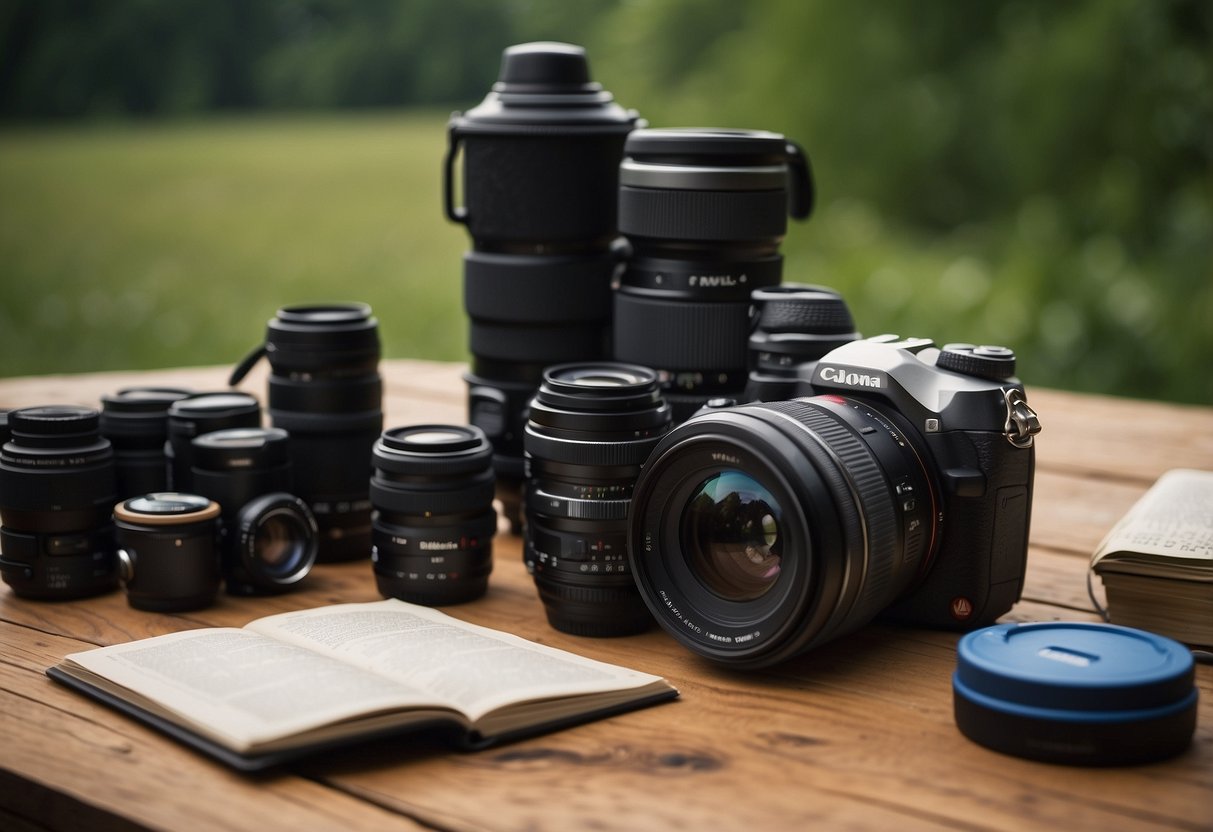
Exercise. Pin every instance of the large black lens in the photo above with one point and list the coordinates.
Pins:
(704, 211)
(434, 520)
(269, 542)
(202, 414)
(57, 491)
(325, 390)
(797, 325)
(135, 421)
(540, 173)
(169, 550)
(760, 531)
(591, 428)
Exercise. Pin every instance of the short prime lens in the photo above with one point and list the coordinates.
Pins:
(434, 521)
(797, 325)
(705, 212)
(57, 491)
(326, 392)
(201, 414)
(269, 539)
(135, 421)
(168, 551)
(591, 428)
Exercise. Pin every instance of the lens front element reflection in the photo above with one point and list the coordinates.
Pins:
(731, 536)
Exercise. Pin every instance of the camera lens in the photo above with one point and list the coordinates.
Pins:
(432, 489)
(797, 325)
(540, 159)
(198, 415)
(135, 421)
(168, 551)
(326, 392)
(760, 531)
(704, 211)
(591, 427)
(269, 539)
(57, 491)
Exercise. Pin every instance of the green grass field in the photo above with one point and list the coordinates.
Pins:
(148, 245)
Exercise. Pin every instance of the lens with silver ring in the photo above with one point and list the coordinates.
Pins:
(168, 555)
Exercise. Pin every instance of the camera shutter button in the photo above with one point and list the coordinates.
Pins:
(989, 362)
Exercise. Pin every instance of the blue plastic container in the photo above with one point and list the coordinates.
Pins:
(1075, 692)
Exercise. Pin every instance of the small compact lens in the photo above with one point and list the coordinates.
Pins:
(434, 522)
(591, 427)
(760, 531)
(201, 414)
(797, 325)
(168, 551)
(266, 537)
(135, 421)
(705, 212)
(57, 491)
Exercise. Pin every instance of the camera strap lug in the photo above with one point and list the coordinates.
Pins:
(1022, 422)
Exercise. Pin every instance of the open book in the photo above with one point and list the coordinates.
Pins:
(290, 684)
(1157, 562)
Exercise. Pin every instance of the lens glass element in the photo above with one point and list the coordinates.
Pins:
(731, 536)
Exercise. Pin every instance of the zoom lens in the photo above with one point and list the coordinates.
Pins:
(57, 489)
(168, 551)
(270, 537)
(326, 392)
(540, 160)
(432, 489)
(705, 212)
(797, 325)
(760, 531)
(198, 415)
(135, 421)
(591, 427)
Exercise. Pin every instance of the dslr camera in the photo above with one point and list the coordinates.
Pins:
(899, 482)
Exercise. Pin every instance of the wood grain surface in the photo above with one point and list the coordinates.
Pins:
(858, 734)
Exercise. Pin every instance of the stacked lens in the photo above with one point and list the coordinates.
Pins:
(434, 521)
(57, 491)
(705, 212)
(591, 428)
(540, 173)
(326, 392)
(199, 415)
(135, 421)
(797, 325)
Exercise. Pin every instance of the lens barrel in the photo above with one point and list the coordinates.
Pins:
(704, 212)
(270, 537)
(540, 157)
(201, 414)
(135, 421)
(168, 551)
(434, 521)
(760, 531)
(797, 325)
(591, 428)
(57, 490)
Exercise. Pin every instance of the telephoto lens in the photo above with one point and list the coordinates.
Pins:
(705, 212)
(797, 325)
(201, 414)
(326, 392)
(591, 428)
(434, 521)
(541, 160)
(269, 537)
(135, 421)
(168, 551)
(57, 491)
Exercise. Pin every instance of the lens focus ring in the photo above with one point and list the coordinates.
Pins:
(703, 215)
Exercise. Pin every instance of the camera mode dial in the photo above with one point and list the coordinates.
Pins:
(988, 362)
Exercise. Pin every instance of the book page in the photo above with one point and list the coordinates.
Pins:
(241, 686)
(1169, 532)
(471, 668)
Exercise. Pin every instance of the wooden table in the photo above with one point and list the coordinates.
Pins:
(857, 734)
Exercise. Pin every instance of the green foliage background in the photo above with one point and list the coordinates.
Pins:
(1027, 172)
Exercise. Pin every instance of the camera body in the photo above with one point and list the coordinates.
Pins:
(970, 414)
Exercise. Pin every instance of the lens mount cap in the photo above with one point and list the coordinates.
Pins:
(1077, 693)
